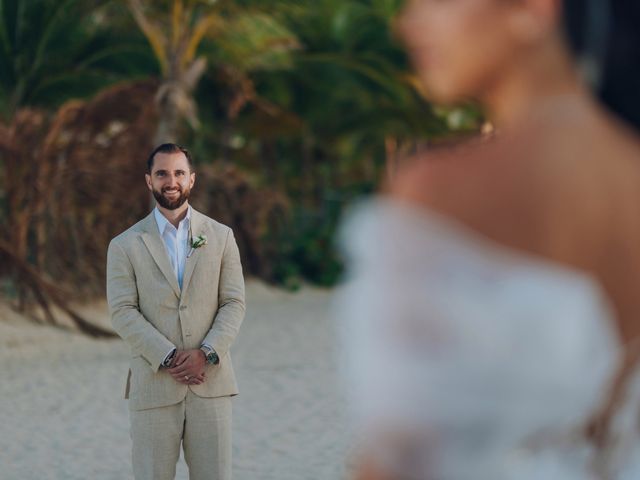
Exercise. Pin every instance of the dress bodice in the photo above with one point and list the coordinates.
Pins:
(487, 361)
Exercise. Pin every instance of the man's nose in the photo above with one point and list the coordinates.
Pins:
(172, 180)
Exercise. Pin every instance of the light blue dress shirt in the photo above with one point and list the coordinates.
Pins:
(176, 241)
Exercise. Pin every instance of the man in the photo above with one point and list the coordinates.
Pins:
(176, 296)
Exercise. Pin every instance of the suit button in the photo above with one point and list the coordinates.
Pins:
(183, 307)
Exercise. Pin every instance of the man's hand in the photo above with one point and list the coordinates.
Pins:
(188, 367)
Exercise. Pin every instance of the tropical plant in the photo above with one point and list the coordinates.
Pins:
(238, 40)
(55, 50)
(350, 110)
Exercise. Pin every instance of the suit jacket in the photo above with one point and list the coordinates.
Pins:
(152, 315)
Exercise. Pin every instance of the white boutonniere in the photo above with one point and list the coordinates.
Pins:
(197, 242)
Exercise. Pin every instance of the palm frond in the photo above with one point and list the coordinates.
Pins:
(152, 31)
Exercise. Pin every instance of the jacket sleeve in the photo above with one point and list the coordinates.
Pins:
(231, 303)
(122, 296)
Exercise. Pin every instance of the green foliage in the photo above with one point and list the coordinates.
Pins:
(320, 119)
(253, 41)
(305, 249)
(303, 95)
(54, 50)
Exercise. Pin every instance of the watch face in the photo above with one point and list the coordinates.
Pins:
(212, 357)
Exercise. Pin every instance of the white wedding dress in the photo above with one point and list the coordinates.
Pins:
(469, 361)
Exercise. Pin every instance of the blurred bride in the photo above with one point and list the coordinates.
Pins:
(492, 309)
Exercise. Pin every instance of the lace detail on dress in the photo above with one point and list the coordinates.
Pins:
(484, 362)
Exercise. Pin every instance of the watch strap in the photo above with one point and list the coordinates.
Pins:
(210, 354)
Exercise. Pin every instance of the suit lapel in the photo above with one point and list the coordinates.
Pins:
(152, 239)
(197, 228)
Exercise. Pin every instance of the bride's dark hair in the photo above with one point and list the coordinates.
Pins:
(605, 36)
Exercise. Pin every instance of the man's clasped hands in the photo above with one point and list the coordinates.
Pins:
(187, 367)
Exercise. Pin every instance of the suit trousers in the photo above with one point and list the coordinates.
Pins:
(201, 425)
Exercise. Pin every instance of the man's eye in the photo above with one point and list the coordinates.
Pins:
(160, 174)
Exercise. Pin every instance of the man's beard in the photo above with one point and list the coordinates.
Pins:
(171, 204)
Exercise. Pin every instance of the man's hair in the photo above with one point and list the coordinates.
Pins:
(168, 148)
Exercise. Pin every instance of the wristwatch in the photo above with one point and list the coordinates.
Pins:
(210, 354)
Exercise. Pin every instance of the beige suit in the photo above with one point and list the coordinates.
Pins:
(152, 315)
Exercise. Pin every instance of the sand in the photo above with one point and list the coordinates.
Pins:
(63, 417)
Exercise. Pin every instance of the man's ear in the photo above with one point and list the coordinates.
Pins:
(532, 20)
(147, 177)
(192, 180)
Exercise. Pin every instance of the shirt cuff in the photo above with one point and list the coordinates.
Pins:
(167, 359)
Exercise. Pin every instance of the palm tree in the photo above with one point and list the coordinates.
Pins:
(181, 33)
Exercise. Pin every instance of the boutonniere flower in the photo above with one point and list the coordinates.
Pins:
(197, 242)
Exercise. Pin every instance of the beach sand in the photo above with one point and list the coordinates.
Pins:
(63, 416)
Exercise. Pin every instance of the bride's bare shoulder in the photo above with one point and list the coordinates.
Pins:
(453, 179)
(561, 189)
(547, 160)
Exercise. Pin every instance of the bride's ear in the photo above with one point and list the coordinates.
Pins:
(532, 20)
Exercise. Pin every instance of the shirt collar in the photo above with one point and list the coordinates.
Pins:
(162, 221)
